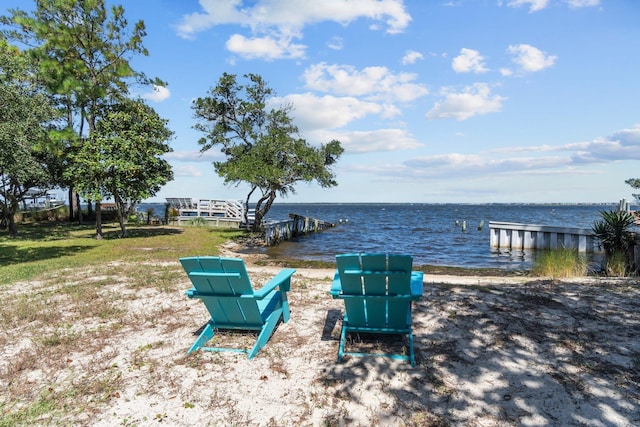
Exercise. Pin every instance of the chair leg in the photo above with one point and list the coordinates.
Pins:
(285, 310)
(343, 338)
(206, 334)
(266, 332)
(412, 357)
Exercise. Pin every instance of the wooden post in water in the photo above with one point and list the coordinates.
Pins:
(297, 225)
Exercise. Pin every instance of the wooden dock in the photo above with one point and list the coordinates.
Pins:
(515, 236)
(208, 212)
(296, 225)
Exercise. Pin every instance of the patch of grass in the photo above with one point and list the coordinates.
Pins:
(45, 248)
(559, 263)
(27, 414)
(615, 265)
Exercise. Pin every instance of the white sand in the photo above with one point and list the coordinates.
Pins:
(490, 352)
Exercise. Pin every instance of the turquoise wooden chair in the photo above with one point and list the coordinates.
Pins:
(377, 290)
(224, 287)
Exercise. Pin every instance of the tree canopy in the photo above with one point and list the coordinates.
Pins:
(83, 49)
(635, 184)
(122, 157)
(26, 115)
(262, 146)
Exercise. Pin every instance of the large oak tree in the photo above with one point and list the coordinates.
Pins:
(123, 157)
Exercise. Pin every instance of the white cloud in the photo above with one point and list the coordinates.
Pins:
(621, 145)
(538, 5)
(336, 43)
(266, 48)
(216, 12)
(274, 23)
(373, 83)
(411, 56)
(469, 61)
(534, 5)
(327, 112)
(530, 58)
(359, 142)
(474, 100)
(582, 3)
(479, 164)
(186, 171)
(194, 156)
(570, 158)
(158, 94)
(506, 72)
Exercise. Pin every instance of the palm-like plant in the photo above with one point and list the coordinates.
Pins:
(616, 237)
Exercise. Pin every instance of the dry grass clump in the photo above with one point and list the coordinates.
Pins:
(559, 263)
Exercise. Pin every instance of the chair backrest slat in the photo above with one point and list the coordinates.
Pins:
(220, 278)
(373, 276)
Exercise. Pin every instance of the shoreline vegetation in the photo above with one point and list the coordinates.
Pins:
(96, 333)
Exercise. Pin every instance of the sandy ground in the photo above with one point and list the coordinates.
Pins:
(490, 352)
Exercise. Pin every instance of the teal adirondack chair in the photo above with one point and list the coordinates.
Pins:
(377, 290)
(224, 287)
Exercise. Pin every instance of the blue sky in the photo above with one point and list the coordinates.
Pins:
(470, 101)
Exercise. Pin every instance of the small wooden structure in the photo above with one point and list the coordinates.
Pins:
(213, 212)
(515, 236)
(297, 225)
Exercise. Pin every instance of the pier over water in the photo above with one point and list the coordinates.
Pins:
(296, 225)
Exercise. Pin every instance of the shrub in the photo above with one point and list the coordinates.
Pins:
(198, 222)
(618, 241)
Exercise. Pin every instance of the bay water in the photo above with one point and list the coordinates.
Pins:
(432, 233)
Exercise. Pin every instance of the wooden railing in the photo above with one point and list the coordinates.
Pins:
(511, 235)
(210, 212)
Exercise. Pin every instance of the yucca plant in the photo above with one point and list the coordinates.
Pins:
(616, 237)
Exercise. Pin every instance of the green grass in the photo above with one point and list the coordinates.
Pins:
(559, 263)
(45, 249)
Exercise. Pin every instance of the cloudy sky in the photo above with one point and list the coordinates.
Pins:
(474, 101)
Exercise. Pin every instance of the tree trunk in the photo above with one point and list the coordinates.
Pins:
(246, 210)
(122, 212)
(13, 228)
(98, 221)
(79, 208)
(261, 212)
(74, 205)
(12, 208)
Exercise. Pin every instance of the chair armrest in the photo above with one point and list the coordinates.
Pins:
(191, 293)
(284, 276)
(417, 284)
(336, 286)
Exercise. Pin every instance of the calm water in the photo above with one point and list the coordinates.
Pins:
(427, 231)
